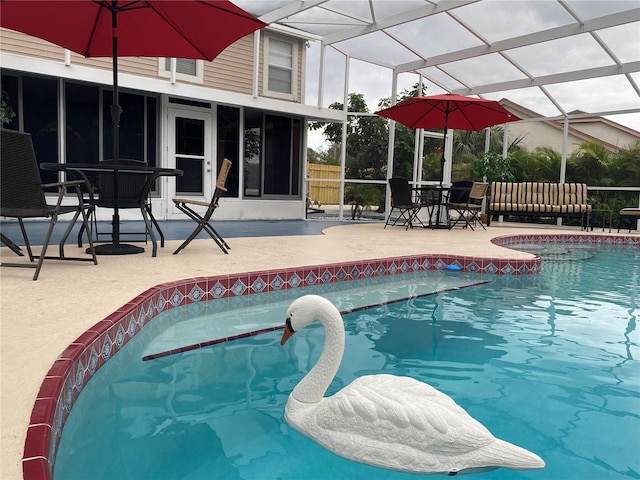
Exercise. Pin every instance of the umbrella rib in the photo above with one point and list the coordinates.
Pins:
(101, 7)
(432, 107)
(109, 6)
(461, 109)
(487, 107)
(178, 31)
(132, 6)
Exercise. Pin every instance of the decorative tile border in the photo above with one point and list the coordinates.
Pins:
(576, 240)
(83, 358)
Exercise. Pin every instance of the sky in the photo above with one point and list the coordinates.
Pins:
(571, 53)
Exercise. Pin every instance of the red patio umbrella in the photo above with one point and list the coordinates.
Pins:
(448, 111)
(195, 29)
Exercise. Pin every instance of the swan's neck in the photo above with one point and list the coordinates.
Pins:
(313, 386)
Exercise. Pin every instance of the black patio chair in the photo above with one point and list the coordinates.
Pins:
(458, 195)
(402, 202)
(468, 211)
(459, 191)
(204, 220)
(23, 196)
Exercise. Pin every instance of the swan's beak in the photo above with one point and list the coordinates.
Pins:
(288, 331)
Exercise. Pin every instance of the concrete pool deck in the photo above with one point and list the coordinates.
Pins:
(40, 319)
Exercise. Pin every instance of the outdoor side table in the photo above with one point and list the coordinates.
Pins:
(603, 213)
(436, 200)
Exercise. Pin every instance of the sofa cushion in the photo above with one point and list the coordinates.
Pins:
(572, 208)
(572, 194)
(632, 212)
(504, 196)
(535, 207)
(538, 193)
(539, 197)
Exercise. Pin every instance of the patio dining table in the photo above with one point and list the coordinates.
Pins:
(80, 171)
(435, 198)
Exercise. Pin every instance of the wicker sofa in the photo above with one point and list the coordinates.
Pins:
(539, 199)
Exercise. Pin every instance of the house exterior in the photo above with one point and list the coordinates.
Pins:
(247, 105)
(583, 128)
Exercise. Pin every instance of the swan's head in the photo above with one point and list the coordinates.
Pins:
(304, 311)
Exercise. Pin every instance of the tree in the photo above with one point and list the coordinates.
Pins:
(367, 139)
(625, 166)
(6, 112)
(360, 195)
(313, 156)
(540, 165)
(590, 164)
(404, 137)
(493, 167)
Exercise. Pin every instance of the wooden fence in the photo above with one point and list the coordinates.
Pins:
(323, 191)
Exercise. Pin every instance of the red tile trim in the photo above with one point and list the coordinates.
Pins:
(38, 440)
(59, 389)
(36, 468)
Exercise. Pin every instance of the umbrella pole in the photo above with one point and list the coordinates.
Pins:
(116, 248)
(115, 121)
(442, 162)
(442, 159)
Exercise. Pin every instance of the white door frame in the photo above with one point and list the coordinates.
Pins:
(209, 167)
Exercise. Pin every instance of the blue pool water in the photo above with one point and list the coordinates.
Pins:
(547, 362)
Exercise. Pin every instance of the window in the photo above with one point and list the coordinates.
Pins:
(281, 71)
(9, 87)
(190, 155)
(272, 155)
(82, 111)
(277, 155)
(40, 119)
(187, 70)
(252, 168)
(87, 121)
(229, 145)
(137, 127)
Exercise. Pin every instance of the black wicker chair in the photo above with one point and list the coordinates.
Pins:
(23, 196)
(629, 215)
(402, 203)
(133, 193)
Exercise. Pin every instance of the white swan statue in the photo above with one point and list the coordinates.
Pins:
(384, 420)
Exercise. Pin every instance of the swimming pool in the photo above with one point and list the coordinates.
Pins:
(547, 362)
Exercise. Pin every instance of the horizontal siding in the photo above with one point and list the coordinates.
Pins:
(21, 44)
(145, 66)
(232, 70)
(142, 66)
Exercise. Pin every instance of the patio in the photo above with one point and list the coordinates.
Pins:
(43, 321)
